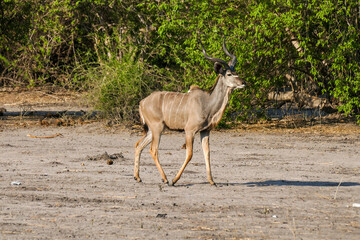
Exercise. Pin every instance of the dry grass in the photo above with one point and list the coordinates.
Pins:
(333, 125)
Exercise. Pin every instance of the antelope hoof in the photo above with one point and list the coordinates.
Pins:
(138, 179)
(165, 181)
(173, 182)
(212, 182)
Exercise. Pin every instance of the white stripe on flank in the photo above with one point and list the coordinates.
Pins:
(172, 107)
(163, 105)
(179, 107)
(185, 107)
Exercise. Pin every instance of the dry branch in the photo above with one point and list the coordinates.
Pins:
(52, 136)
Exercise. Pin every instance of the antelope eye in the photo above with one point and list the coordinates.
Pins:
(229, 74)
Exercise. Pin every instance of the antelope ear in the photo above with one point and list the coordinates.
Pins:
(218, 67)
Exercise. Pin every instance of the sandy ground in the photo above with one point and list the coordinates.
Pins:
(270, 185)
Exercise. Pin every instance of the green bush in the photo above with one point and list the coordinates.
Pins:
(311, 47)
(116, 87)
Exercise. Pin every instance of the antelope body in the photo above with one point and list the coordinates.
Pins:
(194, 111)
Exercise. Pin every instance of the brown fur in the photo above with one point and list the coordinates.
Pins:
(194, 87)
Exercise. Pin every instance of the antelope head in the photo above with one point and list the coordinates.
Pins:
(226, 70)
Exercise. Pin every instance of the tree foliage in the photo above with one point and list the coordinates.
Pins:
(308, 46)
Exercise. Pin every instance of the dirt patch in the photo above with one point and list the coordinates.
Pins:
(41, 107)
(109, 159)
(10, 97)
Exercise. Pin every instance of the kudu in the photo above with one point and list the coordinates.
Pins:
(194, 111)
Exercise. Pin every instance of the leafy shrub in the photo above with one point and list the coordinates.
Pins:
(310, 47)
(116, 87)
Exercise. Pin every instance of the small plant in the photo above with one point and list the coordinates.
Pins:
(118, 86)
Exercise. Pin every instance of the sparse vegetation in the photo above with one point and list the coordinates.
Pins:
(116, 87)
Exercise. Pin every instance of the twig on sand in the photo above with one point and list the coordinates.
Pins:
(337, 189)
(52, 136)
(293, 228)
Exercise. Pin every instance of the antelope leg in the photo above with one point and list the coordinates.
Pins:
(189, 140)
(204, 137)
(139, 146)
(154, 153)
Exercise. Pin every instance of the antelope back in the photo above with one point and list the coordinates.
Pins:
(171, 108)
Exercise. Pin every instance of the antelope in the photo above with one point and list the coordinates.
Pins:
(194, 111)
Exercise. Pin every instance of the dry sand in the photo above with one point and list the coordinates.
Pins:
(270, 185)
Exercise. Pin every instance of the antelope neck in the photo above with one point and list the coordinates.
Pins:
(219, 97)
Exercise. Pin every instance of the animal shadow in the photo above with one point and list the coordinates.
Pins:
(269, 183)
(300, 183)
